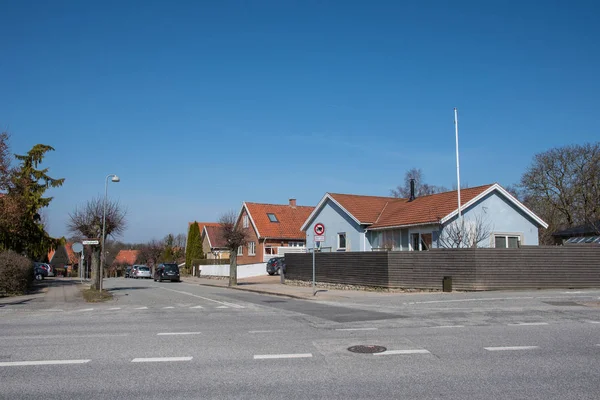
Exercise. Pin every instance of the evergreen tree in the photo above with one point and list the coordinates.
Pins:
(25, 197)
(194, 245)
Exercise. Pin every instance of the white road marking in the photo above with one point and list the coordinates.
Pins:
(197, 307)
(142, 308)
(178, 333)
(114, 308)
(593, 322)
(204, 298)
(266, 331)
(356, 329)
(222, 307)
(272, 356)
(66, 336)
(511, 348)
(578, 292)
(168, 307)
(44, 362)
(529, 324)
(86, 309)
(447, 326)
(391, 352)
(160, 359)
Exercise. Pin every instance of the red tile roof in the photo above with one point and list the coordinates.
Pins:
(73, 258)
(290, 220)
(380, 212)
(425, 209)
(126, 257)
(201, 225)
(215, 236)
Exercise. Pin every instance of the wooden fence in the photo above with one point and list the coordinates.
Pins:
(534, 267)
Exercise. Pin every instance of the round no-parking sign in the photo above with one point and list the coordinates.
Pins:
(319, 229)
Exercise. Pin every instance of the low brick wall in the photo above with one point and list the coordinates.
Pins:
(535, 267)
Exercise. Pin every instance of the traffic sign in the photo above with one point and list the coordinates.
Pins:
(77, 247)
(319, 238)
(319, 228)
(91, 241)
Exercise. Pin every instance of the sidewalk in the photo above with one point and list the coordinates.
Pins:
(48, 291)
(271, 285)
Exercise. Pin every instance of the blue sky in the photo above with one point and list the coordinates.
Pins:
(199, 106)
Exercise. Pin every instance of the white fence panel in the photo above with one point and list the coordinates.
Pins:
(243, 271)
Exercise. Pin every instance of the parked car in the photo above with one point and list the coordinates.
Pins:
(275, 265)
(167, 271)
(39, 273)
(48, 269)
(142, 271)
(128, 272)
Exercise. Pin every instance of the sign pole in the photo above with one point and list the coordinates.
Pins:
(314, 250)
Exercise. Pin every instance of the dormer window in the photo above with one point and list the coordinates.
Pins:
(272, 217)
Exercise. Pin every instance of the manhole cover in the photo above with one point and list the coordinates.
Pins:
(368, 349)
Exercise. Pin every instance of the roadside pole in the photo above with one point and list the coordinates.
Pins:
(318, 237)
(314, 250)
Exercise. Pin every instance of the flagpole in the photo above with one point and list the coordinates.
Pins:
(457, 160)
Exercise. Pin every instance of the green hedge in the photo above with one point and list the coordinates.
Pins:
(16, 273)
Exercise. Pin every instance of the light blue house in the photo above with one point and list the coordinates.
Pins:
(489, 217)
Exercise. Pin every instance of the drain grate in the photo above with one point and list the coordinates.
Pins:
(368, 349)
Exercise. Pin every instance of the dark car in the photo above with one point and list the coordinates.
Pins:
(168, 272)
(128, 272)
(275, 265)
(39, 272)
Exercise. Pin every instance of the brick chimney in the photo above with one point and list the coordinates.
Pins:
(293, 203)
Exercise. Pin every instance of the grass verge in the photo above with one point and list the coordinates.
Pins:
(94, 296)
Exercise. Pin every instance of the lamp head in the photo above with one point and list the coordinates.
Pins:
(115, 179)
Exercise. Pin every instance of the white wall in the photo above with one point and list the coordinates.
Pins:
(243, 271)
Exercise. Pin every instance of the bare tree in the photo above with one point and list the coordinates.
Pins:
(150, 253)
(234, 237)
(87, 223)
(463, 232)
(562, 186)
(421, 188)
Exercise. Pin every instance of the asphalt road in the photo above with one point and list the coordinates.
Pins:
(177, 340)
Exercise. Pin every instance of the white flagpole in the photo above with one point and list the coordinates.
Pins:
(457, 160)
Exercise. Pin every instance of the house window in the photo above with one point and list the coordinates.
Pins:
(251, 248)
(296, 244)
(506, 241)
(240, 251)
(342, 241)
(272, 217)
(421, 241)
(246, 223)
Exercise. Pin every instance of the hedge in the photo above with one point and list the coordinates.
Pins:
(16, 273)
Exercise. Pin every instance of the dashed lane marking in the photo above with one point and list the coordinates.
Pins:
(160, 359)
(511, 348)
(177, 333)
(142, 308)
(274, 356)
(529, 324)
(447, 326)
(197, 307)
(401, 352)
(85, 309)
(114, 308)
(168, 307)
(42, 362)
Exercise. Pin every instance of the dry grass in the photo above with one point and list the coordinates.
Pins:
(94, 296)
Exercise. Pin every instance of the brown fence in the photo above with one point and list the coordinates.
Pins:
(470, 269)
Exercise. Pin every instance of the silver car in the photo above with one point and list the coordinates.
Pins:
(141, 271)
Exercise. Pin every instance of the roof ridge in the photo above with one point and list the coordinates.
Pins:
(367, 195)
(273, 204)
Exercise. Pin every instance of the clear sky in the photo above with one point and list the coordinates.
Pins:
(199, 106)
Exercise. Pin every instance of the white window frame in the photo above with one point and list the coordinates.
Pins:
(295, 244)
(251, 248)
(240, 251)
(246, 221)
(506, 235)
(339, 235)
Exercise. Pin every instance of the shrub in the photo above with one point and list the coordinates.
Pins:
(16, 273)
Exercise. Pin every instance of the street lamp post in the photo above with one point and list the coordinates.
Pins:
(115, 178)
